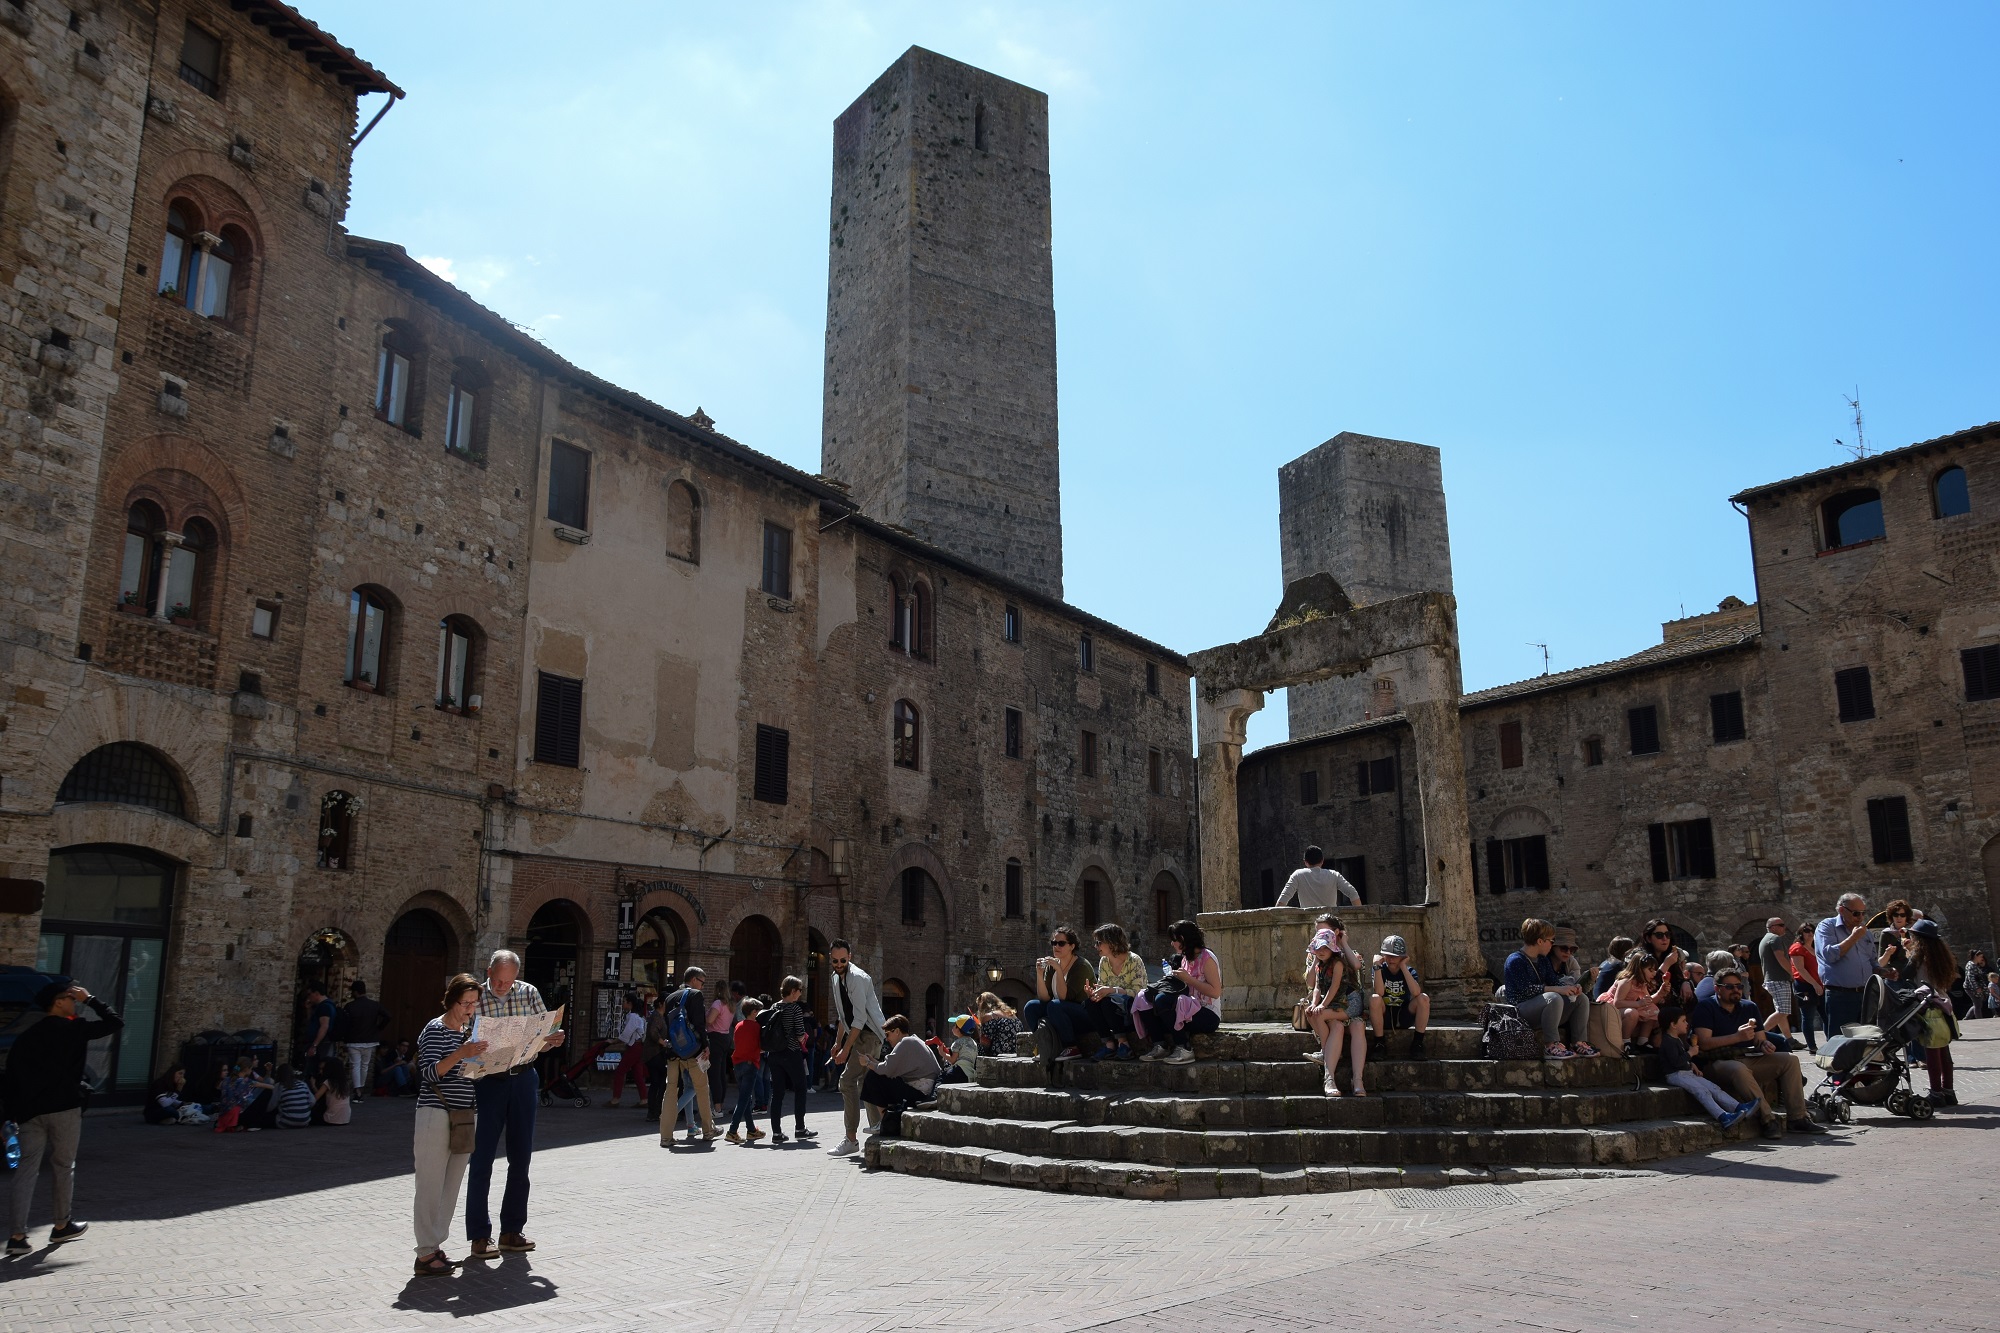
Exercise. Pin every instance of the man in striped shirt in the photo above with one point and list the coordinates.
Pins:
(506, 1103)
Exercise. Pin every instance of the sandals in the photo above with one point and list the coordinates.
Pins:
(434, 1264)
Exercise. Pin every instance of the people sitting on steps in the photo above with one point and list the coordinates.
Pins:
(1398, 999)
(1121, 975)
(1637, 994)
(904, 1077)
(1547, 1000)
(1184, 1003)
(1737, 1054)
(1060, 1013)
(1333, 1005)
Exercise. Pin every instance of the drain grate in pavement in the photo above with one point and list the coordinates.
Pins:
(1455, 1196)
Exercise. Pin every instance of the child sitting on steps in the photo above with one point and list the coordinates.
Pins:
(1680, 1072)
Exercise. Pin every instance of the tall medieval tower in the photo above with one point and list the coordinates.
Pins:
(940, 316)
(1370, 512)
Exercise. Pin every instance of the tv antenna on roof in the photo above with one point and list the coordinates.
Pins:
(1545, 656)
(1860, 446)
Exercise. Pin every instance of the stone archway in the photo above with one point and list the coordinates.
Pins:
(756, 956)
(419, 954)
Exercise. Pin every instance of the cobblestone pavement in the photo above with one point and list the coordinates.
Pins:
(1884, 1225)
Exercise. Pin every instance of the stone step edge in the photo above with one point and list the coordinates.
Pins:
(1098, 1100)
(1124, 1180)
(1648, 1126)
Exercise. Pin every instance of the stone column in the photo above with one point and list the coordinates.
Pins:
(1432, 710)
(170, 542)
(1220, 721)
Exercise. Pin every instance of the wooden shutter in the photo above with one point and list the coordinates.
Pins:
(558, 720)
(1535, 862)
(1361, 777)
(1510, 745)
(774, 762)
(1496, 867)
(1982, 672)
(1657, 835)
(1889, 829)
(1855, 694)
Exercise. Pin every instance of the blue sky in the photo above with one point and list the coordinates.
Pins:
(1615, 262)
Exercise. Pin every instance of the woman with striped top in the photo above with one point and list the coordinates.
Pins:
(443, 1090)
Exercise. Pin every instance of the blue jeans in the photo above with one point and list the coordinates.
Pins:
(1842, 1007)
(1158, 1024)
(506, 1105)
(747, 1078)
(1065, 1017)
(1811, 1009)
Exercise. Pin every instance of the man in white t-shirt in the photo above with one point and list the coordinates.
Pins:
(1315, 886)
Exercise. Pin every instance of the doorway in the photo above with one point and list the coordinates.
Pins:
(754, 956)
(659, 952)
(104, 922)
(553, 953)
(417, 959)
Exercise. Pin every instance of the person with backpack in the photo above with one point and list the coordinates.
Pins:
(360, 1028)
(747, 1055)
(687, 1053)
(784, 1038)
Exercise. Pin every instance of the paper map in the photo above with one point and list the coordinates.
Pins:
(509, 1042)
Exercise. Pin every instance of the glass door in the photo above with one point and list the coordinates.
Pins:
(104, 923)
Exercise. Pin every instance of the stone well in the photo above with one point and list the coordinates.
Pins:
(1263, 951)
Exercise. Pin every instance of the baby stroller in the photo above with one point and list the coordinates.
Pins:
(559, 1083)
(1866, 1064)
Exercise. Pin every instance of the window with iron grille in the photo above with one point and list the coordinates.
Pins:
(1889, 830)
(1854, 694)
(201, 60)
(1684, 849)
(1510, 745)
(1012, 904)
(1725, 715)
(774, 764)
(1011, 729)
(569, 485)
(558, 720)
(1642, 726)
(127, 774)
(1982, 672)
(1309, 788)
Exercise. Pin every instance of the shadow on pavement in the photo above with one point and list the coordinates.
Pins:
(478, 1288)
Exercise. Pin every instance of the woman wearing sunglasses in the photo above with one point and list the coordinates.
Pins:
(1658, 940)
(1060, 1012)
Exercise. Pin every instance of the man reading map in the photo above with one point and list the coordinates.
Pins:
(517, 1027)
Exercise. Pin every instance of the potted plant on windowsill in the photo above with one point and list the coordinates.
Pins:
(131, 605)
(365, 682)
(181, 614)
(447, 704)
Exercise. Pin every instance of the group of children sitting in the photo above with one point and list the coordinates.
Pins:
(1344, 989)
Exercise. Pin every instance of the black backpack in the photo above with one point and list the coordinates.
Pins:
(768, 1039)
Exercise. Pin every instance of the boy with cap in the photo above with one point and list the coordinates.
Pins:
(1398, 999)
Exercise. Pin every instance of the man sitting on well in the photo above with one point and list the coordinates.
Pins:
(1317, 887)
(1739, 1057)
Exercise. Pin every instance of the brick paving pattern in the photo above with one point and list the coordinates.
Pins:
(310, 1230)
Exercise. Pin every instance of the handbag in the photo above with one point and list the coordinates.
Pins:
(461, 1130)
(1506, 1037)
(1299, 1023)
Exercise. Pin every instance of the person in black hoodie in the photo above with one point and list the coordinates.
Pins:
(44, 1091)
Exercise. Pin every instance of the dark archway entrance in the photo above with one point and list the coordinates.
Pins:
(816, 973)
(418, 956)
(659, 952)
(754, 956)
(553, 955)
(933, 1011)
(895, 998)
(104, 922)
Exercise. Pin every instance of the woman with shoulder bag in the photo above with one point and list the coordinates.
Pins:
(444, 1120)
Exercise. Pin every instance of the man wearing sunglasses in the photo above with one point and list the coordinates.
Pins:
(1739, 1057)
(1848, 956)
(857, 1042)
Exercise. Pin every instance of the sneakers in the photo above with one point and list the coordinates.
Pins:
(69, 1230)
(846, 1148)
(1101, 1054)
(1728, 1118)
(755, 1133)
(733, 1137)
(483, 1249)
(1584, 1049)
(778, 1136)
(1774, 1128)
(1557, 1052)
(1183, 1055)
(1807, 1126)
(1069, 1053)
(19, 1245)
(1125, 1052)
(1416, 1045)
(1159, 1052)
(1943, 1097)
(802, 1133)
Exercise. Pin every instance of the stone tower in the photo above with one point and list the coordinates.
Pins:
(1370, 512)
(940, 316)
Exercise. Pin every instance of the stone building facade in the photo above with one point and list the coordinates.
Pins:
(1839, 734)
(356, 633)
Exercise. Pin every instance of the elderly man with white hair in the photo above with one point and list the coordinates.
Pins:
(506, 1107)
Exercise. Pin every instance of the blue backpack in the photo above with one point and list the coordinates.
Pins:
(686, 1040)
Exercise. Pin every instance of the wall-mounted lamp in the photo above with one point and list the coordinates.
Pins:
(842, 849)
(993, 974)
(1753, 844)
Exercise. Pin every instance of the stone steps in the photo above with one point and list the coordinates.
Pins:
(1249, 1117)
(1315, 1110)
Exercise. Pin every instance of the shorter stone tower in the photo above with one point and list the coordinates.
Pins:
(1370, 512)
(940, 409)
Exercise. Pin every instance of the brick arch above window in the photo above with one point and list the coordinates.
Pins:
(208, 256)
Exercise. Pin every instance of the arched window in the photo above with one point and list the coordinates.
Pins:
(1850, 518)
(180, 261)
(907, 734)
(1949, 493)
(916, 884)
(1093, 895)
(367, 638)
(128, 774)
(226, 255)
(684, 522)
(139, 577)
(399, 367)
(187, 570)
(336, 830)
(458, 679)
(899, 615)
(920, 619)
